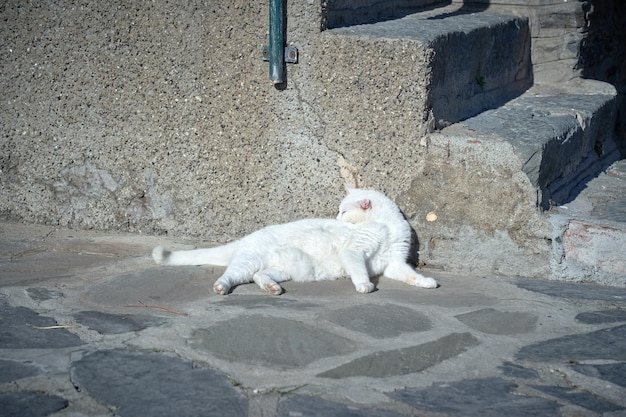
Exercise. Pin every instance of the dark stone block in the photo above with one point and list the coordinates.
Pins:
(164, 285)
(405, 361)
(579, 398)
(304, 406)
(18, 330)
(31, 404)
(260, 301)
(271, 341)
(601, 344)
(43, 294)
(380, 321)
(488, 397)
(12, 370)
(143, 384)
(106, 323)
(599, 317)
(612, 372)
(573, 290)
(516, 371)
(493, 321)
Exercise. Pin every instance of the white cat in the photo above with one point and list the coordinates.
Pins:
(370, 237)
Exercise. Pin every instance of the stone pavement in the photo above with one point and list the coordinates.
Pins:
(89, 326)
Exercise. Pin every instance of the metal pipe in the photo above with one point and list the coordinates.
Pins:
(277, 41)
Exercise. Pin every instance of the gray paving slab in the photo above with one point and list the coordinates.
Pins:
(308, 406)
(164, 285)
(150, 384)
(125, 338)
(272, 341)
(42, 267)
(606, 344)
(580, 398)
(517, 371)
(13, 370)
(380, 321)
(106, 323)
(23, 328)
(612, 372)
(251, 302)
(485, 397)
(30, 404)
(489, 320)
(43, 293)
(406, 360)
(599, 317)
(574, 290)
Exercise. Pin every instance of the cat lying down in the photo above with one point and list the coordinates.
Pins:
(370, 237)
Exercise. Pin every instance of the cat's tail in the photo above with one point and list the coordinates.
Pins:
(218, 256)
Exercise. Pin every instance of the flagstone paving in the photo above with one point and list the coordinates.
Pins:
(89, 326)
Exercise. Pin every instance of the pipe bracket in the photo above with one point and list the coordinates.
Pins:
(291, 54)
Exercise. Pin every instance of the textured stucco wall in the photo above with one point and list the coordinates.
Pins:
(159, 117)
(155, 117)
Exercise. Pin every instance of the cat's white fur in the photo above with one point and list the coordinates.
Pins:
(370, 237)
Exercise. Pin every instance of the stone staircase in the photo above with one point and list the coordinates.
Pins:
(161, 120)
(502, 156)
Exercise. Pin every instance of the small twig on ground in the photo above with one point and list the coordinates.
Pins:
(157, 307)
(67, 326)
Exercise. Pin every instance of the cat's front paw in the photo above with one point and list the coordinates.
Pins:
(365, 288)
(159, 254)
(426, 282)
(220, 288)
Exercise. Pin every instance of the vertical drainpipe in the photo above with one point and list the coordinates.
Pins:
(277, 53)
(277, 41)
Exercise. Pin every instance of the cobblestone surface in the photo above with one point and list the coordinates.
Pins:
(90, 327)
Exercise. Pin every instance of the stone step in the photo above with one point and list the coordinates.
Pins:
(590, 243)
(450, 64)
(491, 178)
(564, 135)
(338, 13)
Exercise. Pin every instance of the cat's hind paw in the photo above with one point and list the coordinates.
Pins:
(364, 288)
(273, 288)
(220, 288)
(267, 280)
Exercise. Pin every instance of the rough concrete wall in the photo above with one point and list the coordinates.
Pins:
(481, 225)
(156, 117)
(378, 150)
(160, 118)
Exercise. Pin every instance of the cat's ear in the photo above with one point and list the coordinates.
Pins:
(365, 204)
(350, 190)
